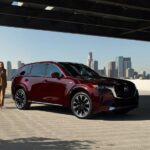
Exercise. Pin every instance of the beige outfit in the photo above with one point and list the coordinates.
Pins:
(3, 85)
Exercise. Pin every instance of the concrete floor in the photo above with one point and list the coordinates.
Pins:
(55, 128)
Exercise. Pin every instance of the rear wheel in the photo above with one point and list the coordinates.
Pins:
(81, 105)
(21, 99)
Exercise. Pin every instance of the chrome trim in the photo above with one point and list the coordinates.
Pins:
(114, 93)
(111, 108)
(122, 107)
(36, 102)
(112, 90)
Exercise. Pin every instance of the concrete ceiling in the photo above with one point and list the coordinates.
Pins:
(129, 19)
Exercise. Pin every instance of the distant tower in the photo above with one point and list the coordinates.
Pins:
(127, 65)
(143, 73)
(129, 73)
(9, 70)
(112, 69)
(120, 66)
(20, 64)
(89, 60)
(95, 65)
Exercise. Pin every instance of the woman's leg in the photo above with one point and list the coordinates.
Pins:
(1, 100)
(3, 96)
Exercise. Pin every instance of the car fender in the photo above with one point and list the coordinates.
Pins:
(20, 86)
(78, 88)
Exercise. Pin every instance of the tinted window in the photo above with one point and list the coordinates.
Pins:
(38, 69)
(25, 70)
(79, 70)
(68, 68)
(51, 69)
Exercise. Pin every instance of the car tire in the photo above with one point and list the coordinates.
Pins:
(81, 105)
(21, 99)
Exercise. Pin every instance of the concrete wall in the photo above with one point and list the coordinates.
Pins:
(143, 86)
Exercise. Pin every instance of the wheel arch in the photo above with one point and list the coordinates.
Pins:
(75, 91)
(18, 87)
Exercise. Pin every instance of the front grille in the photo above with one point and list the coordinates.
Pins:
(125, 90)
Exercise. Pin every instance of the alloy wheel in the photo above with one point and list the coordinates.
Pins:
(20, 98)
(81, 105)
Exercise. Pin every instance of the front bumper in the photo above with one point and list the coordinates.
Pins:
(110, 101)
(124, 103)
(121, 106)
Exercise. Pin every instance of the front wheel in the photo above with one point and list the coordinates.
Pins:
(81, 105)
(21, 99)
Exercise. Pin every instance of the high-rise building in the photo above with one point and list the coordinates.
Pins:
(90, 60)
(119, 67)
(112, 69)
(95, 65)
(20, 64)
(143, 74)
(135, 75)
(102, 72)
(126, 64)
(14, 71)
(122, 66)
(129, 73)
(148, 76)
(9, 70)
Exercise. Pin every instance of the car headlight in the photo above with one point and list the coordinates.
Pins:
(99, 87)
(95, 85)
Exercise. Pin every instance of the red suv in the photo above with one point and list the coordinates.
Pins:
(72, 85)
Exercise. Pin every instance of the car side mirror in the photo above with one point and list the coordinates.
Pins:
(56, 75)
(22, 73)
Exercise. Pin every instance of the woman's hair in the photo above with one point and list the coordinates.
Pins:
(2, 64)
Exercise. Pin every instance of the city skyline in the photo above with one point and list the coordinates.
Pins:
(120, 68)
(35, 45)
(11, 71)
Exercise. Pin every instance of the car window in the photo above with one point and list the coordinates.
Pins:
(24, 70)
(79, 70)
(69, 69)
(51, 69)
(38, 69)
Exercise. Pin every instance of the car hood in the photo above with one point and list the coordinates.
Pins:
(107, 81)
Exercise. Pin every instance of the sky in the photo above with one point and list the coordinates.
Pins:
(30, 45)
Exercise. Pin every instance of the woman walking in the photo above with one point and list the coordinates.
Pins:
(3, 83)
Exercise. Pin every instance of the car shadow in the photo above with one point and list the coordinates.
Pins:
(37, 143)
(52, 108)
(140, 113)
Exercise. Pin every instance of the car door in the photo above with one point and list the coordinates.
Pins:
(36, 81)
(54, 88)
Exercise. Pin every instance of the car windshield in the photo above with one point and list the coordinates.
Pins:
(80, 70)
